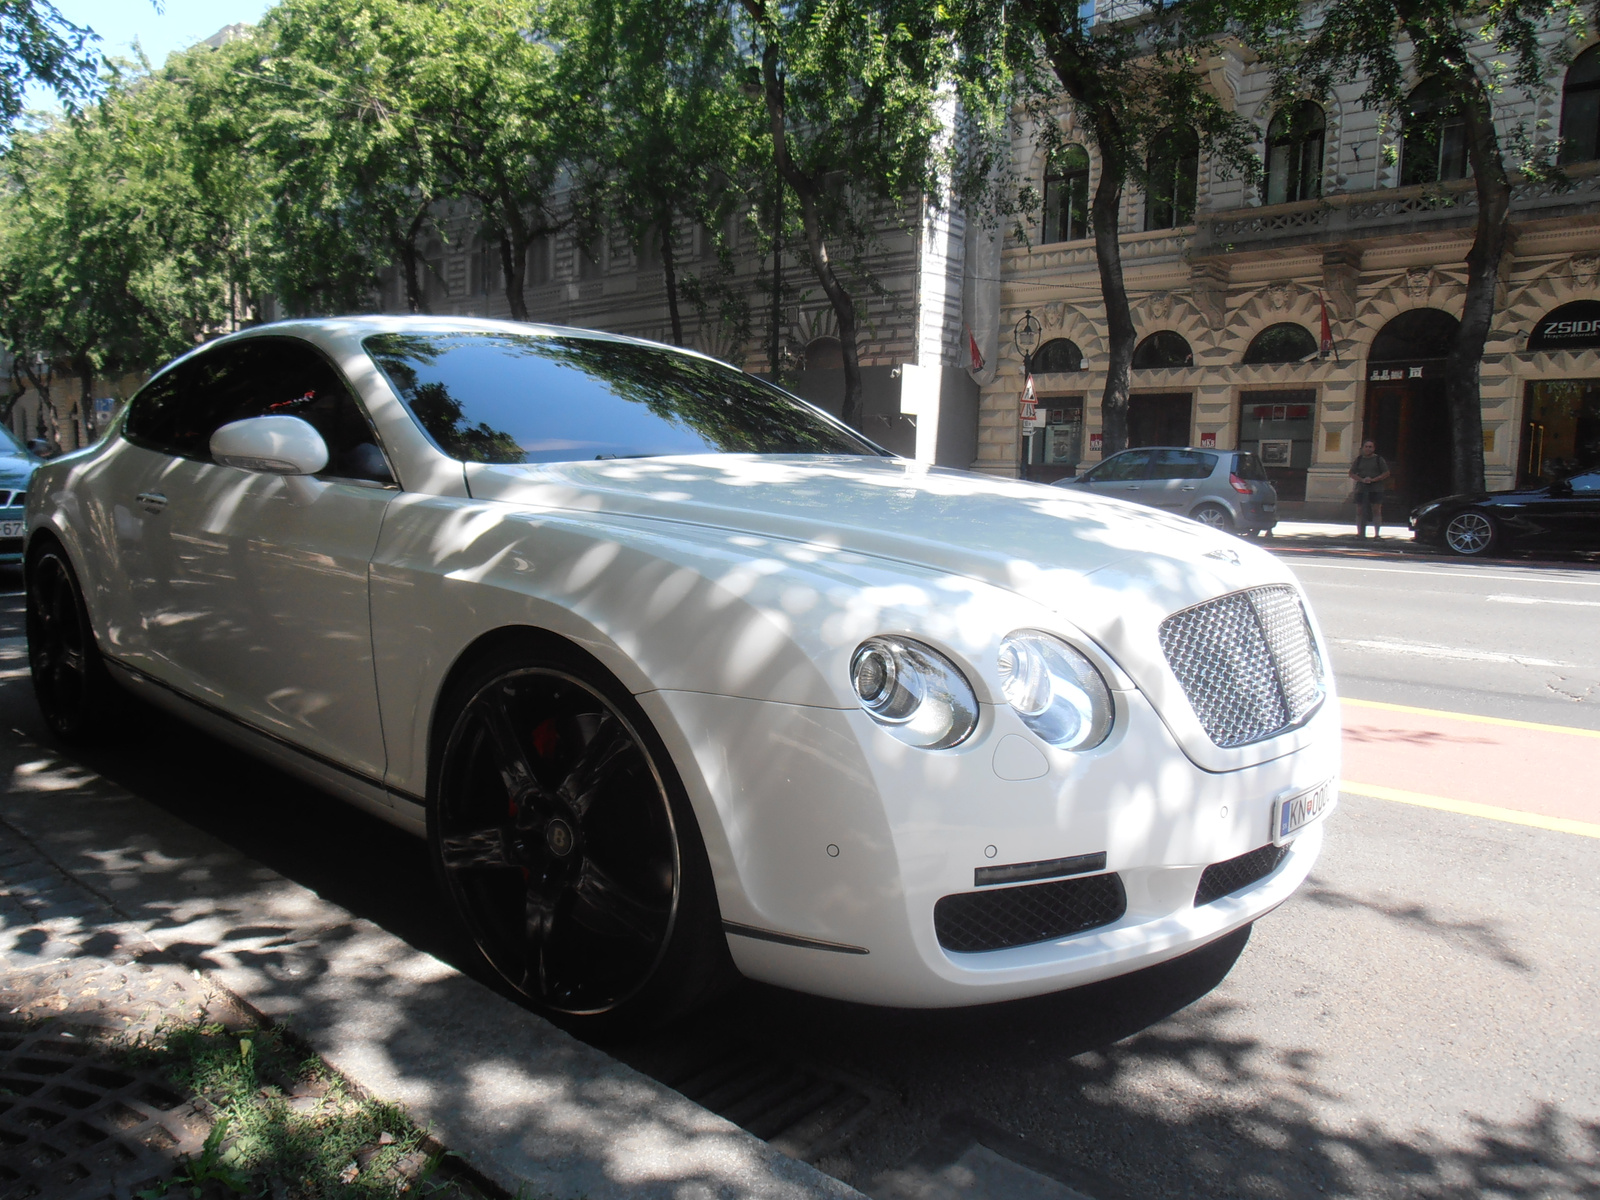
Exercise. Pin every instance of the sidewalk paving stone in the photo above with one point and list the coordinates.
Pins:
(528, 1106)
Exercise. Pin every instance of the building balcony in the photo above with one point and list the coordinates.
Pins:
(1419, 213)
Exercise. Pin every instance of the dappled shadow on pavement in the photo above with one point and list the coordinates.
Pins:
(1148, 1080)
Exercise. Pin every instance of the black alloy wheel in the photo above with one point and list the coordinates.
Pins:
(1470, 533)
(70, 682)
(1213, 515)
(565, 844)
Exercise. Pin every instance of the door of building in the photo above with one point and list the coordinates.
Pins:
(1410, 422)
(1055, 448)
(1164, 419)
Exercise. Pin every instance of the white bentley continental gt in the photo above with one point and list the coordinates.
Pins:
(678, 674)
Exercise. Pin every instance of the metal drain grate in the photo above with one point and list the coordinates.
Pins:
(806, 1112)
(73, 1127)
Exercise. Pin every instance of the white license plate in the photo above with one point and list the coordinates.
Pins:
(11, 529)
(1293, 813)
(1269, 508)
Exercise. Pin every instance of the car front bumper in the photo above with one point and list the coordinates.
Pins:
(832, 843)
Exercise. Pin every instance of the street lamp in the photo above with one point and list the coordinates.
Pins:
(1025, 336)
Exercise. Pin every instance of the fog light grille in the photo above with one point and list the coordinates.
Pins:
(969, 922)
(1224, 878)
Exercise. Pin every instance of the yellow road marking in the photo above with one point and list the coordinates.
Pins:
(1455, 716)
(1468, 808)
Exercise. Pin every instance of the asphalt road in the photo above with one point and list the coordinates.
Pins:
(1421, 1020)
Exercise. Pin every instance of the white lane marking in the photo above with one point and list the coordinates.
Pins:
(1454, 653)
(1542, 600)
(1449, 574)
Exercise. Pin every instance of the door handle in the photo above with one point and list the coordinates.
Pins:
(1133, 487)
(151, 502)
(1188, 487)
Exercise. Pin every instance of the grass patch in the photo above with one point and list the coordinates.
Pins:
(287, 1127)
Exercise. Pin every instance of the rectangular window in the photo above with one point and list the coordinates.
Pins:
(1276, 430)
(1560, 429)
(591, 259)
(539, 255)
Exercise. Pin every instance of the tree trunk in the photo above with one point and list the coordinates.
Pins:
(669, 272)
(514, 240)
(1489, 246)
(1107, 212)
(85, 402)
(416, 301)
(844, 309)
(49, 427)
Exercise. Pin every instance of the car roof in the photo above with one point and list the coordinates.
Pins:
(356, 326)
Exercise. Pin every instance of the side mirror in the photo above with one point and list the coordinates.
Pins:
(281, 445)
(39, 448)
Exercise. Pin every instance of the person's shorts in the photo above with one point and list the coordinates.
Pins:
(1368, 493)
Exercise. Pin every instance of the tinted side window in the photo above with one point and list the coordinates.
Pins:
(1183, 464)
(1586, 484)
(157, 419)
(1129, 465)
(178, 413)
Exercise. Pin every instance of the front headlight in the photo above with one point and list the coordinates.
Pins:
(914, 692)
(1055, 690)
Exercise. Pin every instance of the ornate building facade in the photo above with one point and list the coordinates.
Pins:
(1228, 286)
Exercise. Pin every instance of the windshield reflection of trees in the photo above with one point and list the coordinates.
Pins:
(724, 410)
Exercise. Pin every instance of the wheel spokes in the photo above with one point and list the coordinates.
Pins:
(608, 907)
(479, 850)
(511, 761)
(611, 741)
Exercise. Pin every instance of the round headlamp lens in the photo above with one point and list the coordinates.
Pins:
(917, 694)
(1056, 690)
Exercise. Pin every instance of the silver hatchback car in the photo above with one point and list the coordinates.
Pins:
(1226, 489)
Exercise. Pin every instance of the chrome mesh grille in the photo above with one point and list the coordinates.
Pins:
(1247, 662)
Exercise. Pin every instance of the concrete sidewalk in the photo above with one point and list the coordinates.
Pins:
(528, 1106)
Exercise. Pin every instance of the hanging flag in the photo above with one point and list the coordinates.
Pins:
(1325, 345)
(974, 355)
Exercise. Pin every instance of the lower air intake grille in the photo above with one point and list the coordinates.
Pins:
(1040, 912)
(1224, 878)
(1247, 662)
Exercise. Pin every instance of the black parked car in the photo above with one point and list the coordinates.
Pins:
(1563, 515)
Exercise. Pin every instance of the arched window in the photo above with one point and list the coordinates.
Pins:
(1422, 333)
(1163, 349)
(824, 353)
(1173, 169)
(1434, 149)
(1060, 354)
(1294, 154)
(1285, 342)
(1066, 196)
(1580, 109)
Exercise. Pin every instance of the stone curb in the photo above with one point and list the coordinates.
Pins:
(531, 1108)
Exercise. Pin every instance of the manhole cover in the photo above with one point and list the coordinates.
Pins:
(806, 1112)
(74, 1126)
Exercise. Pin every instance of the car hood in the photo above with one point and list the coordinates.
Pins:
(1028, 538)
(15, 473)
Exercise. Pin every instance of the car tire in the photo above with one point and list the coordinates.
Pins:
(74, 690)
(564, 841)
(1213, 515)
(1471, 534)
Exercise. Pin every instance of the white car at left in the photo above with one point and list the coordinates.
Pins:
(680, 676)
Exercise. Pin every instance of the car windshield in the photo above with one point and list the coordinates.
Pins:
(1248, 466)
(525, 398)
(12, 445)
